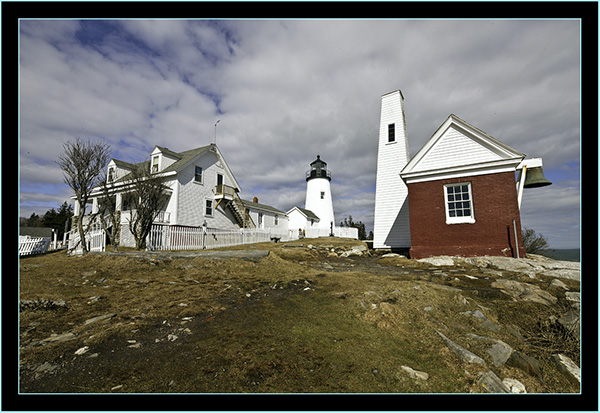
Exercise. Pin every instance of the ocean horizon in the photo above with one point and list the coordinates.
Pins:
(573, 254)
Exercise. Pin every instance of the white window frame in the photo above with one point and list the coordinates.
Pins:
(470, 219)
(155, 166)
(201, 181)
(212, 207)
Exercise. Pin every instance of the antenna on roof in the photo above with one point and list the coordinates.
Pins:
(216, 130)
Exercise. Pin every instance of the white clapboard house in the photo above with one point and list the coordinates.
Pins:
(201, 206)
(202, 194)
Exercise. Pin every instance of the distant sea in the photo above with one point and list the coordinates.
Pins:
(564, 255)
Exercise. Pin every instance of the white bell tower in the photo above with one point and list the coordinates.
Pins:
(391, 221)
(318, 193)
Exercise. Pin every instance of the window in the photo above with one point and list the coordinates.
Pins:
(322, 195)
(154, 164)
(111, 174)
(459, 203)
(392, 132)
(198, 174)
(276, 220)
(208, 211)
(260, 219)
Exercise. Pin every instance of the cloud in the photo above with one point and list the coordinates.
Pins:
(561, 201)
(285, 91)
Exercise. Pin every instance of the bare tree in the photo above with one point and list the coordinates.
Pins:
(144, 200)
(82, 163)
(107, 208)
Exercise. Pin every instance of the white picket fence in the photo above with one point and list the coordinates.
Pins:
(167, 237)
(340, 232)
(95, 239)
(30, 246)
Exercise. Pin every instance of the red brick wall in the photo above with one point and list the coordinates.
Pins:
(494, 205)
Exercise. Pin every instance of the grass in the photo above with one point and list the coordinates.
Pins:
(283, 324)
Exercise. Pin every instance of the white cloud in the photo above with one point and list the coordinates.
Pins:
(286, 91)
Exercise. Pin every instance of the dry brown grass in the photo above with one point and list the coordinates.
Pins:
(296, 321)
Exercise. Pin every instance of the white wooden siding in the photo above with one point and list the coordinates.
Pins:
(455, 148)
(391, 224)
(193, 195)
(269, 219)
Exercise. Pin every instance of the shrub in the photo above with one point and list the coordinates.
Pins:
(533, 242)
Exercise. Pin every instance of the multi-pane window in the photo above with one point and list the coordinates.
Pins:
(392, 132)
(459, 203)
(198, 174)
(209, 208)
(154, 164)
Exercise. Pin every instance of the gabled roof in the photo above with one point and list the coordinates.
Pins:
(36, 232)
(167, 151)
(123, 164)
(266, 208)
(458, 148)
(306, 212)
(183, 159)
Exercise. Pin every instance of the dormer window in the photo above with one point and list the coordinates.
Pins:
(111, 174)
(154, 168)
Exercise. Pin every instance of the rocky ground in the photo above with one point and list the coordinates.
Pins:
(312, 316)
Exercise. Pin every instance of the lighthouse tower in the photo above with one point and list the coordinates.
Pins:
(318, 193)
(391, 223)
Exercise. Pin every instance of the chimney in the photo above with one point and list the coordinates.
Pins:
(255, 200)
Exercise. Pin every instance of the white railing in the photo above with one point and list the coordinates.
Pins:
(163, 217)
(29, 246)
(165, 237)
(95, 239)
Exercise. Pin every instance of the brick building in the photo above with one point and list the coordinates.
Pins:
(462, 197)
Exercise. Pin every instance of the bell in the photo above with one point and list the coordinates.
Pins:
(535, 178)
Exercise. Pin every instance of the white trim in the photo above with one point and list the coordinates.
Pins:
(459, 220)
(531, 163)
(302, 213)
(212, 207)
(201, 181)
(510, 158)
(484, 168)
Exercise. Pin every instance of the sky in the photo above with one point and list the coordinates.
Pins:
(285, 91)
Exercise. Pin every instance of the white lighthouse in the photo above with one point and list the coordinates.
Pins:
(391, 223)
(318, 193)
